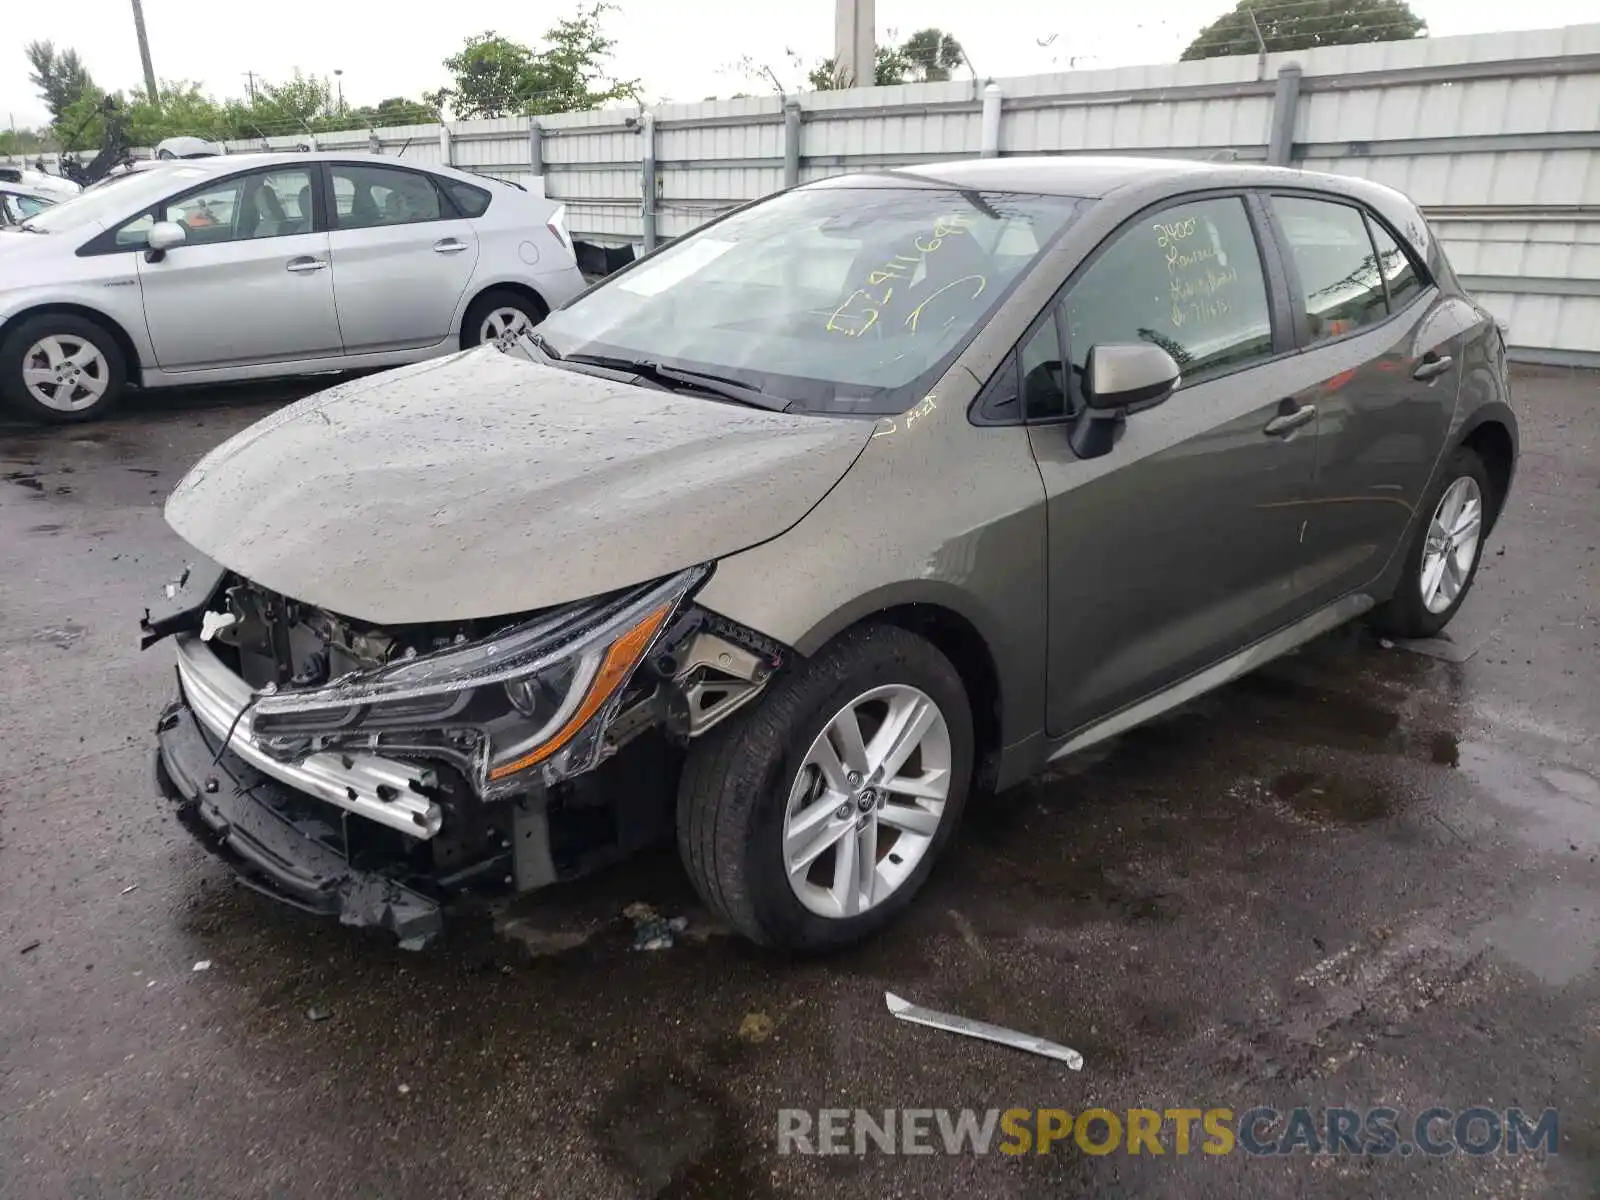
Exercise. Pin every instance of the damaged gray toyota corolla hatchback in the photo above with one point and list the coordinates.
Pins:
(790, 535)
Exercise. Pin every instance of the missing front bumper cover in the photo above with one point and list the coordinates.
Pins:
(282, 844)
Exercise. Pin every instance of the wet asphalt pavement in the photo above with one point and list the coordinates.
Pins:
(1363, 876)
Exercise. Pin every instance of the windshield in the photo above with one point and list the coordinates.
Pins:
(835, 299)
(107, 206)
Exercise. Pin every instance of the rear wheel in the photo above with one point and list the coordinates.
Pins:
(61, 368)
(813, 820)
(498, 316)
(1443, 558)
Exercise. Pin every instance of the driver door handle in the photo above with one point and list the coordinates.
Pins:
(302, 266)
(1286, 423)
(449, 246)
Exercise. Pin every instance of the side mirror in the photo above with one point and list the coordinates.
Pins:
(1124, 376)
(1119, 378)
(163, 236)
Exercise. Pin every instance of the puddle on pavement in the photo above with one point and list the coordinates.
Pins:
(676, 1139)
(1332, 797)
(1555, 936)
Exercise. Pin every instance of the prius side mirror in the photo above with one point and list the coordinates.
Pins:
(1120, 378)
(163, 236)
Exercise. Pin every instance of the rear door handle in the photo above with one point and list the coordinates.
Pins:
(1286, 423)
(449, 246)
(1432, 366)
(302, 266)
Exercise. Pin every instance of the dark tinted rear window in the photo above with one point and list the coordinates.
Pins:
(472, 201)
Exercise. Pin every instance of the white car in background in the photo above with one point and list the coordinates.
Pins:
(18, 203)
(40, 181)
(242, 267)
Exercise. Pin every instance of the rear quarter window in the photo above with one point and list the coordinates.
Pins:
(472, 201)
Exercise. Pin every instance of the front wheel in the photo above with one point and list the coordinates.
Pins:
(1442, 560)
(811, 821)
(61, 368)
(498, 316)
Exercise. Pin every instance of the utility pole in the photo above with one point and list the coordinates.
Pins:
(250, 85)
(339, 75)
(855, 42)
(144, 52)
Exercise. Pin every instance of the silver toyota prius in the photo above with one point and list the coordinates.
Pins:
(870, 497)
(245, 266)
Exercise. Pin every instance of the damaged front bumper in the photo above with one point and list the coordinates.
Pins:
(383, 794)
(282, 843)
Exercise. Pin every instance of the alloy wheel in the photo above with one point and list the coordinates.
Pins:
(504, 324)
(1452, 545)
(867, 801)
(65, 373)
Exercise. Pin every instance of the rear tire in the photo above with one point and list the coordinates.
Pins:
(1446, 548)
(59, 368)
(498, 313)
(753, 801)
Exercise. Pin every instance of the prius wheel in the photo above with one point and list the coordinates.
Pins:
(1443, 558)
(61, 368)
(498, 316)
(812, 820)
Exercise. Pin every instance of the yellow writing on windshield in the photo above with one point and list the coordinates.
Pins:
(861, 309)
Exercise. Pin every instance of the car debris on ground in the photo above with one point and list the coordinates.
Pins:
(967, 1027)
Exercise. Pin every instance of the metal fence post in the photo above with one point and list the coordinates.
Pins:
(444, 145)
(647, 172)
(535, 148)
(791, 142)
(990, 146)
(1285, 105)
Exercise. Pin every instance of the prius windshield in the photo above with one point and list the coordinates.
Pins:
(847, 300)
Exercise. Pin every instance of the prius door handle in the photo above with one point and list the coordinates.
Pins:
(449, 246)
(1286, 422)
(302, 266)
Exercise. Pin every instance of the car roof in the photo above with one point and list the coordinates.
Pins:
(1088, 175)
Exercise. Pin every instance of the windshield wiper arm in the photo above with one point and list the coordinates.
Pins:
(717, 385)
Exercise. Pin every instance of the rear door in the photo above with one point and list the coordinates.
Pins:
(402, 257)
(1381, 364)
(1179, 545)
(251, 282)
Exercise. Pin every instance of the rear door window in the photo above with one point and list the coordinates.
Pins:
(1399, 272)
(1340, 284)
(1186, 278)
(365, 197)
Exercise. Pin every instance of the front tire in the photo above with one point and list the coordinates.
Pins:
(499, 314)
(60, 368)
(1442, 560)
(812, 821)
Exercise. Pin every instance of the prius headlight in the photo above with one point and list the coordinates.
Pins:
(528, 702)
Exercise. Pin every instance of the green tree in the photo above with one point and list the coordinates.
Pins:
(931, 54)
(927, 56)
(1305, 24)
(492, 76)
(61, 77)
(889, 68)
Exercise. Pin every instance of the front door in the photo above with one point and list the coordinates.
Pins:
(250, 284)
(401, 258)
(1181, 544)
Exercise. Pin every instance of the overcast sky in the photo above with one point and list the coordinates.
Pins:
(681, 49)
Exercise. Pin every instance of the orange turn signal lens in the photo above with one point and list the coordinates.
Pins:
(618, 664)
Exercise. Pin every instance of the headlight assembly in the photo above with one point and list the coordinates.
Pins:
(535, 697)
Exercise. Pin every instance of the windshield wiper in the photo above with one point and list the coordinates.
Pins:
(539, 340)
(717, 385)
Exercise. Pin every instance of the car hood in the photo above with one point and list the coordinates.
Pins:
(481, 485)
